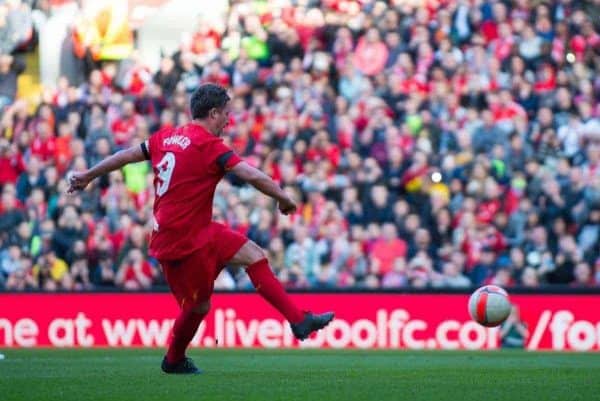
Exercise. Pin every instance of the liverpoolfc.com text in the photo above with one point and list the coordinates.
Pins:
(388, 329)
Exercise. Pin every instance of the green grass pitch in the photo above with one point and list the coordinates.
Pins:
(108, 374)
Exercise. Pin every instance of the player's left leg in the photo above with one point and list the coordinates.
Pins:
(235, 249)
(251, 256)
(257, 266)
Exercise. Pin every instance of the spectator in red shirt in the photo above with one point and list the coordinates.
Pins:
(11, 162)
(322, 149)
(135, 272)
(504, 43)
(124, 127)
(63, 154)
(206, 41)
(214, 72)
(386, 250)
(138, 77)
(44, 143)
(371, 54)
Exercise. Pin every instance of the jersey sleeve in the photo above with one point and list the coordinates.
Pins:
(225, 158)
(152, 145)
(144, 146)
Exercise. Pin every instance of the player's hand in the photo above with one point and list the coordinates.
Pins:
(287, 206)
(77, 181)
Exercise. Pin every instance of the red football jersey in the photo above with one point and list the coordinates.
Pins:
(188, 163)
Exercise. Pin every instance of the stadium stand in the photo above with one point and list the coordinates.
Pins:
(444, 146)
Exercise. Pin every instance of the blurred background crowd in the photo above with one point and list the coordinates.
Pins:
(432, 143)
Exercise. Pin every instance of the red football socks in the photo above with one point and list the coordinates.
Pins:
(271, 289)
(183, 331)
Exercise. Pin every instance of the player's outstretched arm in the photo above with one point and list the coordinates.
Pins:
(264, 184)
(79, 180)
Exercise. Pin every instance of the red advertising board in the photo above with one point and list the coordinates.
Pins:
(411, 321)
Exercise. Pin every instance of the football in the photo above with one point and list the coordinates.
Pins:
(489, 305)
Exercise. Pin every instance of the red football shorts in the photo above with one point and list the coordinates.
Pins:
(192, 278)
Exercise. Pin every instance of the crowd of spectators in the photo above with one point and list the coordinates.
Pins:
(436, 143)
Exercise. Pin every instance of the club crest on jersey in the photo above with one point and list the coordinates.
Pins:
(182, 141)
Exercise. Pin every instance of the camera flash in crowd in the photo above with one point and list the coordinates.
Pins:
(436, 177)
(570, 58)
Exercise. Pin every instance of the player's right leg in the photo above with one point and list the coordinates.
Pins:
(191, 282)
(184, 329)
(251, 256)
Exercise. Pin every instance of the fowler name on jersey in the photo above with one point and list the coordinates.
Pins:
(182, 141)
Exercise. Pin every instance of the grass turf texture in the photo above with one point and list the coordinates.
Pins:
(108, 374)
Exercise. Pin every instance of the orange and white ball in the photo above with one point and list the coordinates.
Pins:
(489, 305)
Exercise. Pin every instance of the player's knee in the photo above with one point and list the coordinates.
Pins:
(257, 254)
(202, 308)
(248, 255)
(254, 253)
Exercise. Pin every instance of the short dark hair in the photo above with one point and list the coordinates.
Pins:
(207, 97)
